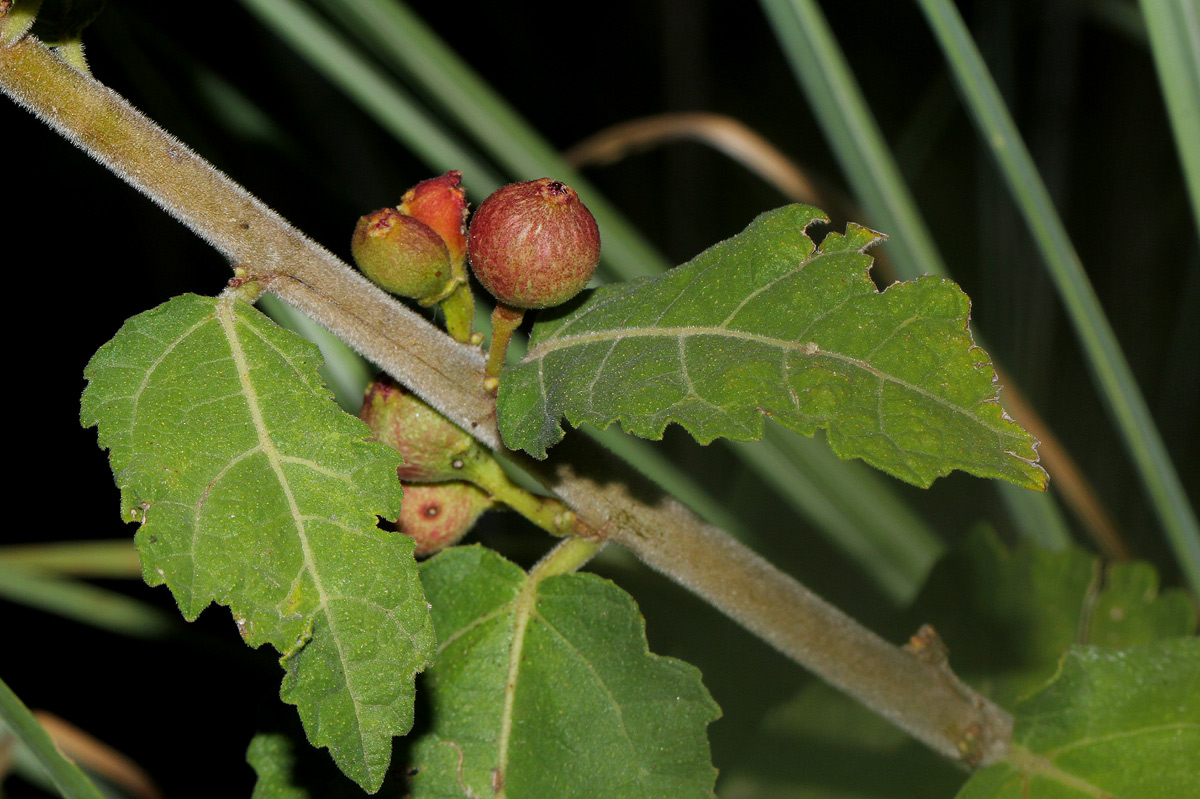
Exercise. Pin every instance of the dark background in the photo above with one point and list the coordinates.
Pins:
(80, 252)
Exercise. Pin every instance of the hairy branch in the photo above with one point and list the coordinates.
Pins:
(611, 499)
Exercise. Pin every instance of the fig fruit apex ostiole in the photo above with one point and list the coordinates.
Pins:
(438, 515)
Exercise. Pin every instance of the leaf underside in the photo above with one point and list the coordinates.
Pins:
(767, 324)
(571, 704)
(254, 491)
(1120, 724)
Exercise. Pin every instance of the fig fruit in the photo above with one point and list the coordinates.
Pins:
(441, 203)
(434, 449)
(402, 254)
(440, 514)
(533, 244)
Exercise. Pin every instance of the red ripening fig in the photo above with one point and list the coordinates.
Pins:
(441, 203)
(430, 444)
(533, 244)
(401, 254)
(438, 515)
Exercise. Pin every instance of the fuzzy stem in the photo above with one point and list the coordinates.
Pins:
(569, 556)
(611, 501)
(505, 321)
(17, 21)
(71, 51)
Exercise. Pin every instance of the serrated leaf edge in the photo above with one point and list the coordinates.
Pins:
(808, 348)
(226, 317)
(524, 607)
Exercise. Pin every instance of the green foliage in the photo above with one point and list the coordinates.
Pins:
(1123, 723)
(766, 323)
(223, 519)
(547, 688)
(273, 759)
(1008, 616)
(255, 491)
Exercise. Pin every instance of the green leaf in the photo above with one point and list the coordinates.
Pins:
(821, 744)
(1110, 724)
(548, 689)
(273, 759)
(253, 490)
(1007, 616)
(766, 323)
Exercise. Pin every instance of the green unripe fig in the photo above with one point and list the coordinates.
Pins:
(434, 449)
(438, 515)
(533, 244)
(402, 254)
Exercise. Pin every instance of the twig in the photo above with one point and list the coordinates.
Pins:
(607, 496)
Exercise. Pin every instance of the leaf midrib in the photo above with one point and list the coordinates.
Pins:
(809, 349)
(225, 315)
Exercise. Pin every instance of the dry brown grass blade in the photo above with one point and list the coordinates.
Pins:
(98, 757)
(1066, 476)
(88, 752)
(720, 132)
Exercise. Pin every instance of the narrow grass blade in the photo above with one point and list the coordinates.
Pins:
(398, 113)
(344, 371)
(71, 782)
(87, 604)
(851, 131)
(1110, 370)
(402, 40)
(116, 558)
(1174, 28)
(853, 504)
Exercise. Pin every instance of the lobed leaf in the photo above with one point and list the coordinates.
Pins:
(547, 689)
(253, 490)
(768, 324)
(1110, 724)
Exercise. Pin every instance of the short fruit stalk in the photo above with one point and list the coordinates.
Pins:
(441, 203)
(436, 451)
(532, 245)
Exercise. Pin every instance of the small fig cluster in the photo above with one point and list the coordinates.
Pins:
(532, 245)
(449, 479)
(418, 249)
